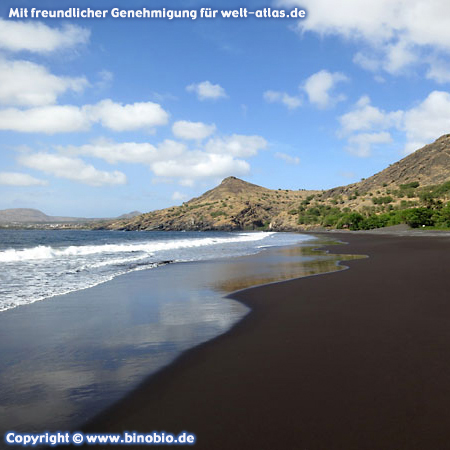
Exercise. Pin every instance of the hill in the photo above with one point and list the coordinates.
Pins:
(414, 190)
(233, 205)
(130, 215)
(30, 216)
(33, 217)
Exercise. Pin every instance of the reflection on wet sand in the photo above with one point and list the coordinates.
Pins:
(280, 265)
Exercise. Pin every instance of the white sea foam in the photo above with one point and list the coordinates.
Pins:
(46, 252)
(37, 272)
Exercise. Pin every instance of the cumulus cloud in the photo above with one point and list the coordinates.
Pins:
(37, 37)
(23, 83)
(207, 91)
(197, 164)
(118, 117)
(67, 118)
(218, 158)
(126, 152)
(319, 87)
(361, 144)
(45, 119)
(287, 158)
(179, 196)
(73, 169)
(439, 72)
(366, 125)
(236, 145)
(365, 117)
(398, 33)
(20, 179)
(291, 102)
(184, 129)
(427, 121)
(173, 160)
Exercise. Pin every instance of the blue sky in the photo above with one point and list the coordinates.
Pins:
(103, 116)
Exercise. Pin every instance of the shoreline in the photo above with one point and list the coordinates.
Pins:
(84, 350)
(336, 361)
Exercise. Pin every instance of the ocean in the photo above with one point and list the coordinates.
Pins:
(87, 315)
(38, 264)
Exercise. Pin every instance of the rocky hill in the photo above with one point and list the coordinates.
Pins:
(233, 205)
(414, 181)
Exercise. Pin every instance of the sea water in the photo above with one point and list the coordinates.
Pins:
(38, 264)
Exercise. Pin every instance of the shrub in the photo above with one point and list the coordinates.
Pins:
(350, 220)
(418, 217)
(412, 185)
(382, 200)
(218, 213)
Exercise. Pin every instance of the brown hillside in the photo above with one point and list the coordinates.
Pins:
(238, 205)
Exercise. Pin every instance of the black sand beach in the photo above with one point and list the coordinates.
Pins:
(356, 359)
(66, 359)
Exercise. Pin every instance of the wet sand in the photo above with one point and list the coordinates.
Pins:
(66, 359)
(355, 359)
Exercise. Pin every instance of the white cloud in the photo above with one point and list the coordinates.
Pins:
(169, 160)
(361, 144)
(24, 83)
(45, 119)
(427, 121)
(105, 79)
(118, 117)
(126, 152)
(367, 62)
(207, 91)
(184, 129)
(319, 87)
(291, 102)
(367, 125)
(20, 179)
(71, 169)
(67, 118)
(179, 196)
(197, 164)
(39, 38)
(393, 58)
(287, 158)
(439, 71)
(236, 145)
(399, 32)
(365, 117)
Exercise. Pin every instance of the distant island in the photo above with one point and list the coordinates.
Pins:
(414, 191)
(33, 218)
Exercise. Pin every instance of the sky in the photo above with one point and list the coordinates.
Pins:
(102, 116)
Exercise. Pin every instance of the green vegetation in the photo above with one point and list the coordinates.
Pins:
(431, 210)
(382, 200)
(412, 185)
(218, 213)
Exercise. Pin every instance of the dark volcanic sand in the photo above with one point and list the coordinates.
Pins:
(357, 359)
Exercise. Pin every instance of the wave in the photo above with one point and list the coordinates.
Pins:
(42, 252)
